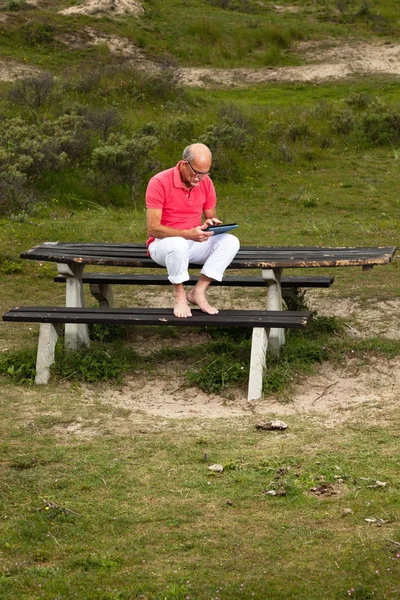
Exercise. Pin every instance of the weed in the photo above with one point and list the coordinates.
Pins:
(19, 366)
(106, 333)
(91, 365)
(10, 267)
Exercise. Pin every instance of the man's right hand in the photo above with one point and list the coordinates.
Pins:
(197, 234)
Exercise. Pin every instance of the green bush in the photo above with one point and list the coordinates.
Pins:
(38, 32)
(379, 128)
(30, 149)
(15, 5)
(181, 129)
(342, 122)
(125, 161)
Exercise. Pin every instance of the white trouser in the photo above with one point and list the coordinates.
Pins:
(176, 253)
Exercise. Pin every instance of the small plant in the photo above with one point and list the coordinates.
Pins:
(10, 267)
(106, 333)
(219, 374)
(19, 366)
(90, 365)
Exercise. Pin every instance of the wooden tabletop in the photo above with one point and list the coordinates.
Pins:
(248, 257)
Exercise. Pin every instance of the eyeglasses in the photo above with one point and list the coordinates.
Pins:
(198, 173)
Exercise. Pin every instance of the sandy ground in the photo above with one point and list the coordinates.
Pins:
(326, 63)
(332, 395)
(99, 8)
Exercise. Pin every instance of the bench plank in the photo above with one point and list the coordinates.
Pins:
(318, 281)
(50, 318)
(157, 316)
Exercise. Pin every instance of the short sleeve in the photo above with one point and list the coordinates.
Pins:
(155, 194)
(211, 197)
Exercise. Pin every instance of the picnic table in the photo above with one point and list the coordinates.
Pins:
(72, 258)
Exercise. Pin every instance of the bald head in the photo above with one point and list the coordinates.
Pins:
(199, 154)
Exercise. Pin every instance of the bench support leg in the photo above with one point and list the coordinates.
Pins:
(48, 337)
(272, 278)
(103, 294)
(76, 335)
(259, 345)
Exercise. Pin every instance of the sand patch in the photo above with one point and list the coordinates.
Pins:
(11, 70)
(373, 318)
(332, 396)
(118, 46)
(100, 8)
(328, 61)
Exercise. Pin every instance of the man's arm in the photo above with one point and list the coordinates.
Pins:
(156, 230)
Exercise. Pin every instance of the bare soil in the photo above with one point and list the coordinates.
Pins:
(99, 8)
(331, 396)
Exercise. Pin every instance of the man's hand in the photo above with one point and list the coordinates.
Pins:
(197, 234)
(211, 222)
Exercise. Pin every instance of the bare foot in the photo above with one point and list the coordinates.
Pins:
(198, 298)
(181, 308)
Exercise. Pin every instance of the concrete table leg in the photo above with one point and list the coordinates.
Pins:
(103, 294)
(76, 335)
(272, 278)
(259, 345)
(48, 337)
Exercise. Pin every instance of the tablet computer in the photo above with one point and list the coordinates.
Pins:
(221, 228)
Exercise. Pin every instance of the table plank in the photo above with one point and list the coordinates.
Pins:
(248, 257)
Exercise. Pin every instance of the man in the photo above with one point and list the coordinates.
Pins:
(176, 200)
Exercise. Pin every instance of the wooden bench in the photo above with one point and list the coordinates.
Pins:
(52, 317)
(100, 284)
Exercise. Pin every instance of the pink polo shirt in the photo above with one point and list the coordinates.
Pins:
(182, 208)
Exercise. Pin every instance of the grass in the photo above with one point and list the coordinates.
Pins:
(132, 509)
(98, 500)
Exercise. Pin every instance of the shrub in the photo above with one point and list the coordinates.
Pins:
(359, 100)
(28, 149)
(164, 84)
(379, 128)
(342, 122)
(181, 129)
(124, 161)
(226, 134)
(16, 195)
(32, 91)
(38, 32)
(102, 120)
(15, 5)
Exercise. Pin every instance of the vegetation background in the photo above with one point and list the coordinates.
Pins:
(98, 501)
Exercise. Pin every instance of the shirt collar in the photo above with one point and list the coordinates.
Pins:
(177, 177)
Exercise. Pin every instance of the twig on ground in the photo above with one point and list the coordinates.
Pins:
(55, 506)
(393, 542)
(324, 392)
